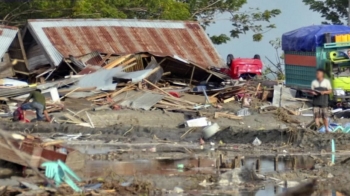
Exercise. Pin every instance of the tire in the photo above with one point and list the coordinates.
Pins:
(229, 60)
(256, 56)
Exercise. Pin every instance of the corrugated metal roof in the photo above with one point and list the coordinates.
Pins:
(77, 37)
(7, 35)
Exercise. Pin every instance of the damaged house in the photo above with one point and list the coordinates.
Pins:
(84, 45)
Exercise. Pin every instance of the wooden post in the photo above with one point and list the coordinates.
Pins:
(194, 67)
(236, 163)
(209, 78)
(294, 163)
(275, 164)
(258, 165)
(242, 162)
(218, 163)
(221, 157)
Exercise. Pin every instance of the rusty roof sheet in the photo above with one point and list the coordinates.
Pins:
(7, 35)
(77, 37)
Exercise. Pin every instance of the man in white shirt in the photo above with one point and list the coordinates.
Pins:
(322, 88)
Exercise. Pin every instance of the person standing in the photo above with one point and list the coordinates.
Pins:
(38, 104)
(321, 89)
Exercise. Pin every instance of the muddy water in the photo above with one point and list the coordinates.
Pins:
(187, 166)
(160, 166)
(187, 173)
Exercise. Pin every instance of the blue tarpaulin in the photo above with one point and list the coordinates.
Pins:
(306, 39)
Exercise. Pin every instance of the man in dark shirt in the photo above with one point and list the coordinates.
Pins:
(38, 104)
(322, 88)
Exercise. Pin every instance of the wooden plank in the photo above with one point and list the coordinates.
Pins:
(19, 36)
(99, 96)
(229, 99)
(126, 88)
(105, 59)
(63, 91)
(129, 61)
(71, 67)
(153, 85)
(116, 61)
(194, 67)
(225, 115)
(72, 91)
(51, 143)
(129, 66)
(209, 78)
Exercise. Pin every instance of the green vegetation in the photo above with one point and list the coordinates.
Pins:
(334, 11)
(204, 11)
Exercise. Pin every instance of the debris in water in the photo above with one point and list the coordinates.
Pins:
(210, 130)
(127, 183)
(201, 141)
(153, 149)
(257, 142)
(178, 190)
(60, 172)
(243, 112)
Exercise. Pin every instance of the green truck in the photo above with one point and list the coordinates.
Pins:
(319, 46)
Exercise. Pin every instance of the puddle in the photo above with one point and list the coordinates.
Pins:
(95, 168)
(166, 171)
(160, 166)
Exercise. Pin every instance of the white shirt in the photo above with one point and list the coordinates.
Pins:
(325, 83)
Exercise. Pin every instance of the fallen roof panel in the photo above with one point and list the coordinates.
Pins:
(64, 37)
(7, 35)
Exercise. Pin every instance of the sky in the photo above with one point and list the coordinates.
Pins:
(295, 14)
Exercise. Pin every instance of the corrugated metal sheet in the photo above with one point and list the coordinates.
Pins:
(77, 37)
(7, 35)
(138, 99)
(101, 79)
(12, 92)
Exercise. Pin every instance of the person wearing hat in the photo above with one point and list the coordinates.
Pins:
(38, 104)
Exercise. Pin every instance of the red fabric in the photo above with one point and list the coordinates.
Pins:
(175, 94)
(21, 115)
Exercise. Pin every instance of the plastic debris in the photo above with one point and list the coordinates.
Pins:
(60, 172)
(257, 142)
(29, 185)
(333, 151)
(210, 130)
(243, 112)
(180, 166)
(127, 183)
(91, 187)
(178, 190)
(199, 122)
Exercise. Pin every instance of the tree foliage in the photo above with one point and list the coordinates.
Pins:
(333, 11)
(204, 11)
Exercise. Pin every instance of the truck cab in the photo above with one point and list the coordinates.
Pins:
(245, 68)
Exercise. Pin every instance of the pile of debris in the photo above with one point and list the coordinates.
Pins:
(97, 61)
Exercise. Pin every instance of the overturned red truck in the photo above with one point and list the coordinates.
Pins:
(245, 68)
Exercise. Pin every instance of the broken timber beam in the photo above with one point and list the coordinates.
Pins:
(225, 115)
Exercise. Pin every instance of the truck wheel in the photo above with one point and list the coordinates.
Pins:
(229, 60)
(256, 56)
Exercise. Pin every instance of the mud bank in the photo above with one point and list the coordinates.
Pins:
(277, 140)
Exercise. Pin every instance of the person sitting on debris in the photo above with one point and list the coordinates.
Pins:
(38, 104)
(321, 89)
